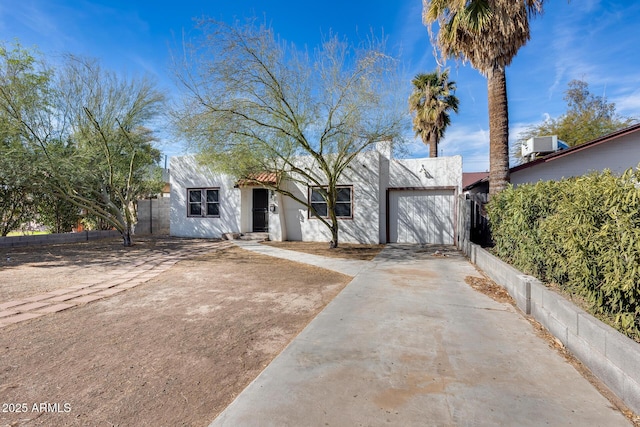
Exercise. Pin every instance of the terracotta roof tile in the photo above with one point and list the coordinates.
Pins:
(257, 178)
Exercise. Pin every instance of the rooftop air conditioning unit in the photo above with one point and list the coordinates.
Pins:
(541, 145)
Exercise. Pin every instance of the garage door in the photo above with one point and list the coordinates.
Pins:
(421, 216)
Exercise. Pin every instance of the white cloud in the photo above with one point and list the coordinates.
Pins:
(31, 16)
(471, 144)
(628, 105)
(600, 51)
(517, 128)
(459, 139)
(413, 39)
(48, 26)
(146, 64)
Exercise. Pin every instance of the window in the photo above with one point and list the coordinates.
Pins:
(343, 201)
(203, 202)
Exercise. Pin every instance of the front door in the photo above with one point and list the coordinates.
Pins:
(260, 210)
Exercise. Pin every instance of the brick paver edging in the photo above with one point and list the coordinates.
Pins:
(62, 299)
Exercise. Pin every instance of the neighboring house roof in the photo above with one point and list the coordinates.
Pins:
(605, 139)
(611, 137)
(469, 178)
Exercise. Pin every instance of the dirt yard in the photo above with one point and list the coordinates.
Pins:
(173, 351)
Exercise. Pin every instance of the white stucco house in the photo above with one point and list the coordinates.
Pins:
(380, 200)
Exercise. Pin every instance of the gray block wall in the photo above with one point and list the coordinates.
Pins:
(53, 239)
(153, 216)
(610, 355)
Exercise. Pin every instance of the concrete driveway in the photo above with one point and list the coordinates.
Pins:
(409, 343)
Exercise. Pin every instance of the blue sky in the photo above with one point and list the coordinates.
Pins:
(594, 40)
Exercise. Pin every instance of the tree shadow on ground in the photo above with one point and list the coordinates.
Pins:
(106, 252)
(344, 250)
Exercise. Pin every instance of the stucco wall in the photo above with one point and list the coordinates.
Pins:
(277, 223)
(618, 156)
(362, 175)
(384, 165)
(186, 173)
(426, 172)
(370, 174)
(246, 201)
(422, 202)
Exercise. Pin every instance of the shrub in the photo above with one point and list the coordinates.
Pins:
(581, 233)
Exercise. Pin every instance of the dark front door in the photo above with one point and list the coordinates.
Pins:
(260, 210)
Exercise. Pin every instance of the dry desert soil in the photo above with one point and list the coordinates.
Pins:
(173, 351)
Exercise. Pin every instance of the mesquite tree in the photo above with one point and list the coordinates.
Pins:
(84, 131)
(254, 103)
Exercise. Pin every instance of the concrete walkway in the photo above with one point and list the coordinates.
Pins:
(409, 343)
(344, 266)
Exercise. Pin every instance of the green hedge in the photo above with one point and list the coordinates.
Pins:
(580, 233)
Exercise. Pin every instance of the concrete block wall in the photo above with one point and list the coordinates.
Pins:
(53, 239)
(463, 219)
(153, 216)
(611, 356)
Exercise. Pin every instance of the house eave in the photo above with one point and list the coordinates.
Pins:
(611, 137)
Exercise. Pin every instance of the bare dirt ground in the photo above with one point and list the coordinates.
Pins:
(31, 270)
(173, 351)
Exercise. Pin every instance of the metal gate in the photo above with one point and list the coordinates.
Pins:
(260, 210)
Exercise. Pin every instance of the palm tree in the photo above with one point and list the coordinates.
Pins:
(488, 34)
(431, 99)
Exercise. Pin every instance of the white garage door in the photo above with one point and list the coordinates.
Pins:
(421, 216)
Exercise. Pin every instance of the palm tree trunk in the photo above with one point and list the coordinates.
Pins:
(498, 130)
(433, 144)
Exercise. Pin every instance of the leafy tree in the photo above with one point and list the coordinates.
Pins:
(85, 130)
(488, 34)
(112, 152)
(14, 203)
(432, 98)
(254, 103)
(16, 208)
(21, 83)
(588, 117)
(57, 214)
